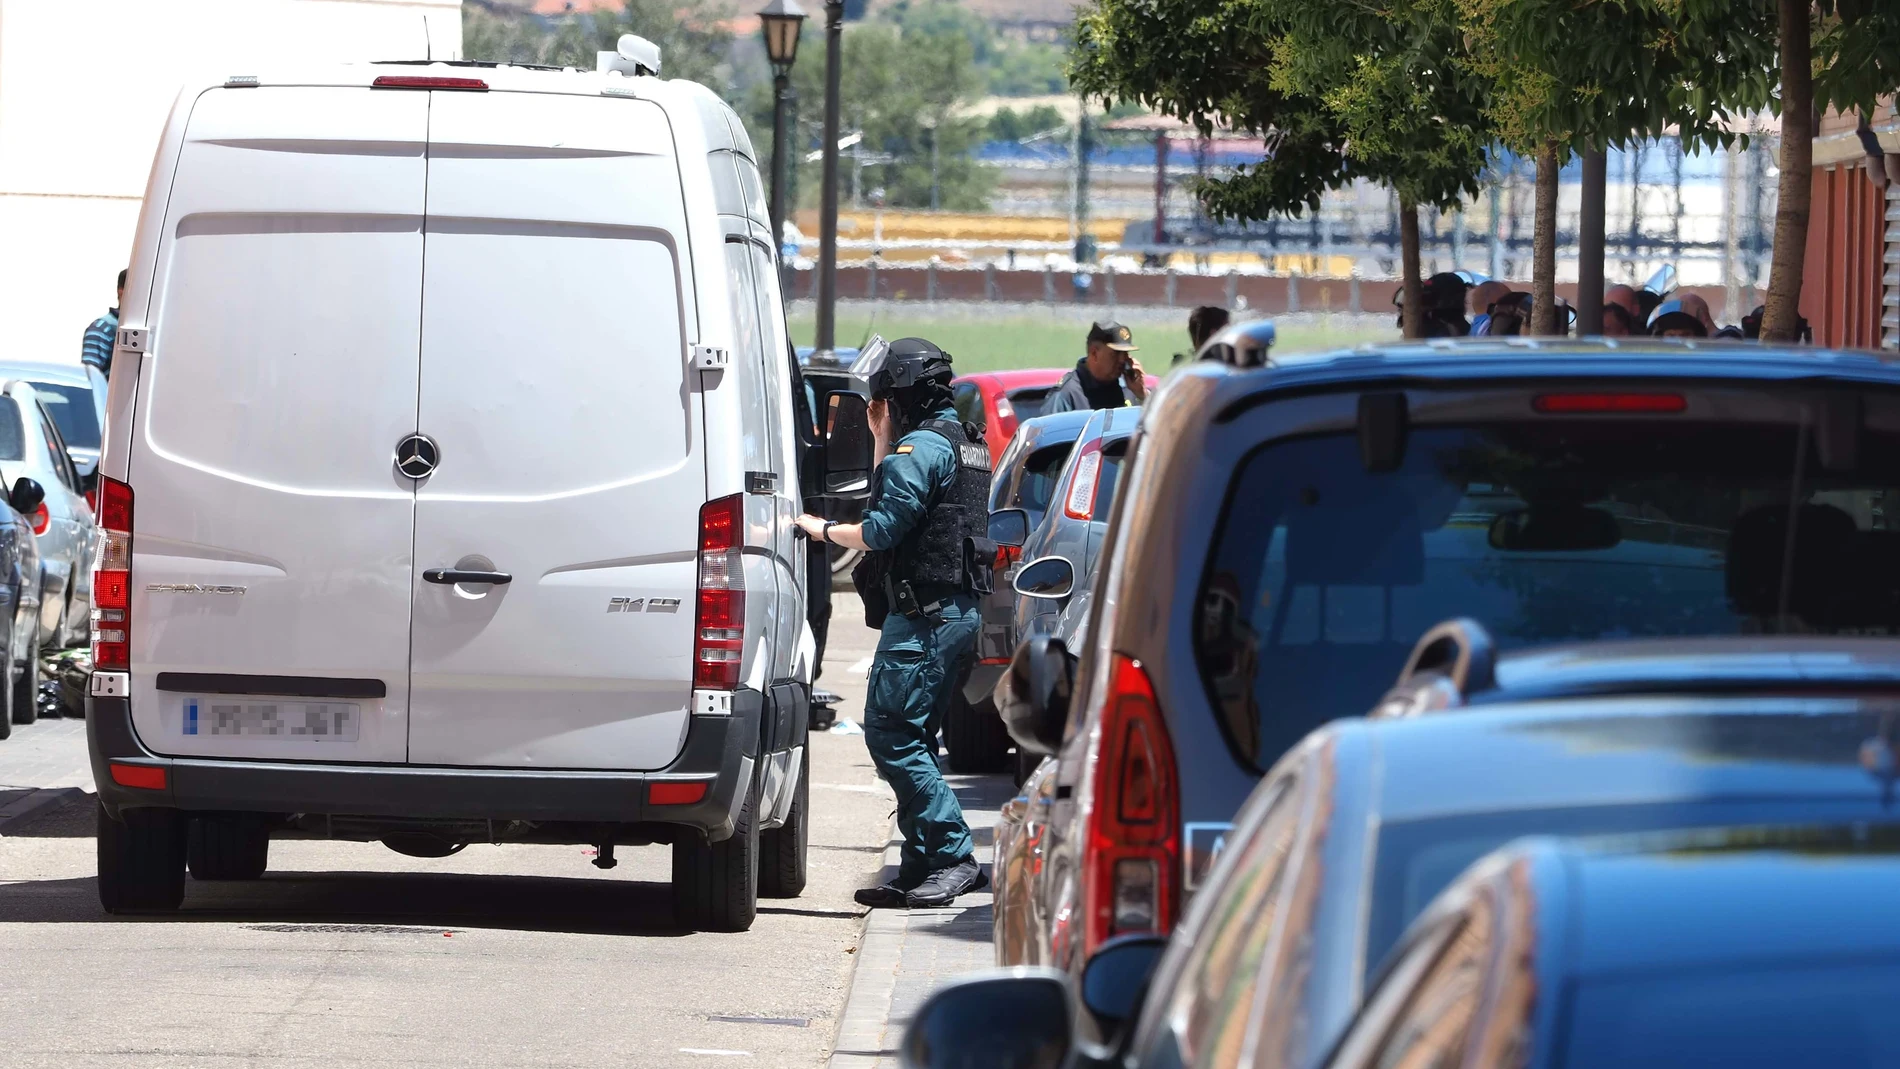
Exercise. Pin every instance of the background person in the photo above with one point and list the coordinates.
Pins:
(929, 502)
(1203, 323)
(1108, 377)
(1483, 296)
(95, 349)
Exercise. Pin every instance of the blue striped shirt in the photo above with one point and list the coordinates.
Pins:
(96, 350)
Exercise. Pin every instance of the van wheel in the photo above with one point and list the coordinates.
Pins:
(227, 848)
(141, 861)
(782, 849)
(25, 698)
(975, 735)
(716, 885)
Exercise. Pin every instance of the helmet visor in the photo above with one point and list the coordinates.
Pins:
(873, 358)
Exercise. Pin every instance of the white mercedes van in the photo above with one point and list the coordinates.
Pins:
(448, 485)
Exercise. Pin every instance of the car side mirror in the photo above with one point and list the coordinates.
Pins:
(1046, 577)
(1009, 527)
(1018, 1019)
(1116, 979)
(1033, 696)
(847, 443)
(26, 496)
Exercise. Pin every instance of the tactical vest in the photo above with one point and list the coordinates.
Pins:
(951, 546)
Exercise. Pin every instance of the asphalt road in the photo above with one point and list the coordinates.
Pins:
(352, 955)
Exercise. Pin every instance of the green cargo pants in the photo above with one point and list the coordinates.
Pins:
(911, 676)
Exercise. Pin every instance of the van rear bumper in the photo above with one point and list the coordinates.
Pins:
(720, 751)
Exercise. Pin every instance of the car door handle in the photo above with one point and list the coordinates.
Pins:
(447, 576)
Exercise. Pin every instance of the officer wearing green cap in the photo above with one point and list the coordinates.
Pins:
(925, 531)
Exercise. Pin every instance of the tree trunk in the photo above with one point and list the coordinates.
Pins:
(1408, 256)
(1544, 243)
(1781, 321)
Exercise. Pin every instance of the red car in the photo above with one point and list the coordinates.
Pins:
(1001, 400)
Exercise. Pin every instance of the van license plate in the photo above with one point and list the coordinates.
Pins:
(316, 721)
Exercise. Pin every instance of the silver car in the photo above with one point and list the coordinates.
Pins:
(78, 411)
(31, 446)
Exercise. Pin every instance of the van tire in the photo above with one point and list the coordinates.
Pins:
(227, 848)
(25, 699)
(141, 860)
(782, 849)
(975, 735)
(716, 885)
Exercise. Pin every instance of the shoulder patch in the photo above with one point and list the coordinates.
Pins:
(904, 449)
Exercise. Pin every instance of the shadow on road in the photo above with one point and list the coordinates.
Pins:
(426, 900)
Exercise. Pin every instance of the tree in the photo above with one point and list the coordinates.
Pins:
(1571, 76)
(694, 42)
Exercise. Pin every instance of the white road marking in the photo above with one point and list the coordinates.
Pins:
(861, 668)
(716, 1053)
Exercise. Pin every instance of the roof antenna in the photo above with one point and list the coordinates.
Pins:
(428, 46)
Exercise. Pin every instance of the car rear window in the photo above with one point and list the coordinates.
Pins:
(1324, 575)
(1113, 454)
(72, 410)
(1038, 483)
(1028, 403)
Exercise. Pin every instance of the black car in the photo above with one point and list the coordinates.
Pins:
(1745, 947)
(1368, 819)
(1285, 533)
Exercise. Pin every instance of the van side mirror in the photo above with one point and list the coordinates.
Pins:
(1046, 577)
(1014, 1019)
(1009, 527)
(847, 443)
(26, 496)
(1033, 695)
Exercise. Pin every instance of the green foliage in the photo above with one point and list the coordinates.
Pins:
(1007, 68)
(694, 43)
(1857, 53)
(902, 90)
(1011, 125)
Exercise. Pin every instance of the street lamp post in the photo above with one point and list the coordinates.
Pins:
(828, 193)
(781, 23)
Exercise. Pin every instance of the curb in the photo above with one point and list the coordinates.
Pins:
(34, 803)
(859, 1043)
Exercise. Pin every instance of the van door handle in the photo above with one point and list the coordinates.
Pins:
(447, 576)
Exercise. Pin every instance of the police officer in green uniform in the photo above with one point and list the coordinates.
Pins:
(925, 530)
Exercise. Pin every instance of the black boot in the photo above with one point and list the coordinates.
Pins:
(885, 895)
(942, 887)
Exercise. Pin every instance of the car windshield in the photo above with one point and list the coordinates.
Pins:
(1838, 1013)
(72, 410)
(1324, 575)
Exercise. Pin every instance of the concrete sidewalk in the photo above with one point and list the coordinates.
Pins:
(905, 954)
(44, 764)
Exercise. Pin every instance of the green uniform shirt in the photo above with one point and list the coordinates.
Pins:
(919, 469)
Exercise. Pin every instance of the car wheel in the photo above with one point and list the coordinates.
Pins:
(227, 848)
(141, 861)
(782, 849)
(716, 885)
(975, 735)
(25, 699)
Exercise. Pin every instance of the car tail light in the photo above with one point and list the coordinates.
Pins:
(1569, 403)
(410, 81)
(41, 519)
(92, 501)
(719, 629)
(1134, 843)
(1006, 421)
(1080, 502)
(112, 580)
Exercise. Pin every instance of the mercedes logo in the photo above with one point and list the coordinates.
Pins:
(416, 456)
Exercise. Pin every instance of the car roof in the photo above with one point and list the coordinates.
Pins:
(63, 374)
(1462, 360)
(1608, 751)
(1796, 893)
(1018, 378)
(1053, 428)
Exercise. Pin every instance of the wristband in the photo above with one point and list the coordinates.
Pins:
(825, 532)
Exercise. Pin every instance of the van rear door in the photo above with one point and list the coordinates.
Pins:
(272, 556)
(555, 385)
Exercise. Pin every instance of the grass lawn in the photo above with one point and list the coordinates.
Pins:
(1012, 337)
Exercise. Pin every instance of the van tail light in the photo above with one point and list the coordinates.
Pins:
(719, 628)
(1130, 882)
(1079, 503)
(112, 580)
(41, 519)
